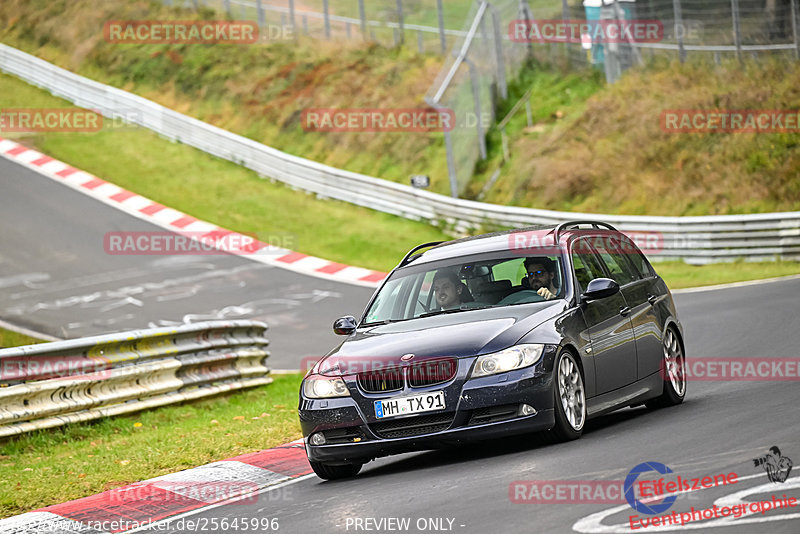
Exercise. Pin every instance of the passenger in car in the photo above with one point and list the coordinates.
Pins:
(540, 275)
(449, 290)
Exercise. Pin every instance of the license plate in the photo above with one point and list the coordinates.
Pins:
(408, 405)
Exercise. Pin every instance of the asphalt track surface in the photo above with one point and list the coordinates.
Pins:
(51, 258)
(720, 428)
(56, 277)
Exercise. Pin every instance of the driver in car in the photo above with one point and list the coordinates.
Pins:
(448, 289)
(540, 273)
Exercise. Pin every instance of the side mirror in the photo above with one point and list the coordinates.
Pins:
(600, 288)
(344, 326)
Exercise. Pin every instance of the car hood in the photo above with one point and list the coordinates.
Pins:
(463, 334)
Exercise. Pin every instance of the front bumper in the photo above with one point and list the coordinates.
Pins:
(477, 409)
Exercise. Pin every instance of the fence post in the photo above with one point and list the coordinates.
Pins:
(292, 20)
(525, 11)
(676, 6)
(228, 7)
(451, 163)
(794, 29)
(400, 20)
(305, 24)
(442, 37)
(737, 35)
(262, 19)
(363, 16)
(476, 95)
(420, 44)
(498, 50)
(528, 110)
(327, 15)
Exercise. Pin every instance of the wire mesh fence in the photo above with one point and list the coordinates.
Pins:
(483, 54)
(427, 25)
(474, 78)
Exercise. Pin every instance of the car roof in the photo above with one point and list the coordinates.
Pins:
(495, 242)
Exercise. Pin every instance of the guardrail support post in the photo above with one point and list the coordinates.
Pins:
(678, 24)
(262, 19)
(327, 15)
(795, 17)
(400, 20)
(737, 34)
(292, 19)
(363, 16)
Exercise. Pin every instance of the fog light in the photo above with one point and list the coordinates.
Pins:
(527, 409)
(317, 439)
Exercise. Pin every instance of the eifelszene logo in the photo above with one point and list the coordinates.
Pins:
(777, 467)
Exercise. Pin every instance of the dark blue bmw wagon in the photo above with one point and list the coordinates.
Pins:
(536, 329)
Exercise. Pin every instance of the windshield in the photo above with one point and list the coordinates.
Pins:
(432, 289)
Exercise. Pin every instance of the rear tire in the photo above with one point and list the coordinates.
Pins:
(673, 373)
(335, 472)
(570, 399)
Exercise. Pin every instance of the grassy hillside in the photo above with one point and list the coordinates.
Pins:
(610, 155)
(593, 148)
(255, 90)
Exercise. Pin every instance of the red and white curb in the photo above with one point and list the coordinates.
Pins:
(170, 219)
(141, 505)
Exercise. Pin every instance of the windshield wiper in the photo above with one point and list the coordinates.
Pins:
(385, 321)
(453, 310)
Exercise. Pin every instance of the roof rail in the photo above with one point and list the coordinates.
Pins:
(407, 258)
(568, 224)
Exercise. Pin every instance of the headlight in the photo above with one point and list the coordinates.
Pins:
(515, 357)
(320, 387)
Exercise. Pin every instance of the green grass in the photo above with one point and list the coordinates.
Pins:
(679, 275)
(9, 338)
(223, 193)
(52, 466)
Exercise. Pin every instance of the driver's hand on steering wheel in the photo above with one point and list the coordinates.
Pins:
(545, 293)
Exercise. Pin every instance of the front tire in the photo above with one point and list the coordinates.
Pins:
(335, 472)
(570, 398)
(673, 372)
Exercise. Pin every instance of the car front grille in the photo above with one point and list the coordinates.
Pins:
(428, 373)
(381, 381)
(432, 372)
(413, 426)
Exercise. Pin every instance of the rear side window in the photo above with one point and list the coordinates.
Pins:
(587, 266)
(635, 256)
(618, 266)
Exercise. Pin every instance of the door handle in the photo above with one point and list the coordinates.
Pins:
(652, 299)
(624, 311)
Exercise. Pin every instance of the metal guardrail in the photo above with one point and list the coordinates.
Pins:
(52, 384)
(701, 239)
